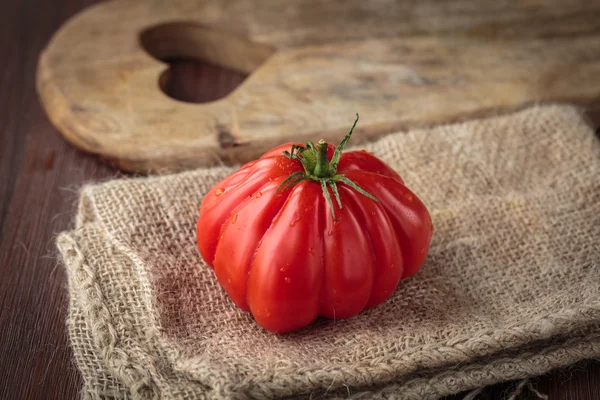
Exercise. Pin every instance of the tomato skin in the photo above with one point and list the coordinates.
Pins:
(285, 281)
(407, 213)
(389, 263)
(281, 254)
(220, 201)
(364, 161)
(233, 257)
(347, 288)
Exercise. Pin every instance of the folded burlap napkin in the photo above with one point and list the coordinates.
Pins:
(511, 287)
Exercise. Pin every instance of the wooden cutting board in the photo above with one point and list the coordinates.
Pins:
(312, 64)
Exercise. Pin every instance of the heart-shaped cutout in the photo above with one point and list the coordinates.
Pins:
(205, 64)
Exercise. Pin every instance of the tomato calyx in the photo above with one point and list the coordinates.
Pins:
(318, 168)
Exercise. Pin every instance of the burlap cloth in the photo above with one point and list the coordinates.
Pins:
(511, 287)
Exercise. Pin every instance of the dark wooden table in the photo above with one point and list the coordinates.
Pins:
(39, 178)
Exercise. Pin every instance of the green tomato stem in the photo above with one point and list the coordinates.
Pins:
(322, 166)
(317, 167)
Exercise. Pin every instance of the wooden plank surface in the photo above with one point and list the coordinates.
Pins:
(313, 64)
(39, 178)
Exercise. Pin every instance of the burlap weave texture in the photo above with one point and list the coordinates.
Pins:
(510, 288)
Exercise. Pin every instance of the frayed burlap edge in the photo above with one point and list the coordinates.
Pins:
(124, 379)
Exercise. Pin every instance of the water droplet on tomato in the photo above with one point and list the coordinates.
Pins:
(373, 213)
(220, 237)
(282, 269)
(330, 233)
(423, 250)
(408, 196)
(311, 250)
(334, 291)
(294, 221)
(267, 313)
(219, 192)
(234, 219)
(287, 279)
(228, 280)
(258, 194)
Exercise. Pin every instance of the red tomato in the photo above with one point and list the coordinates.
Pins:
(308, 230)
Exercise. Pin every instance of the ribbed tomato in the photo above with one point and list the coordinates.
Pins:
(308, 230)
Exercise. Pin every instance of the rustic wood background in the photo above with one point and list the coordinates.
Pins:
(39, 178)
(398, 63)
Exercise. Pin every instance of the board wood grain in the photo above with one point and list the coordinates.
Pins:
(312, 66)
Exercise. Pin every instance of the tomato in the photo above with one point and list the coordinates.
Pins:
(309, 231)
